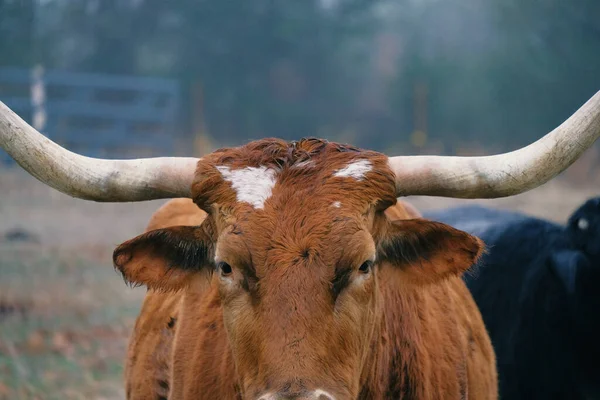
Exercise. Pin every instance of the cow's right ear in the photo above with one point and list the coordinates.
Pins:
(165, 259)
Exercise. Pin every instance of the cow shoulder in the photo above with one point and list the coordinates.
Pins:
(402, 210)
(434, 344)
(176, 212)
(421, 314)
(149, 350)
(148, 362)
(202, 362)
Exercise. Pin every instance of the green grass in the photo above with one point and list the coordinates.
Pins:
(64, 325)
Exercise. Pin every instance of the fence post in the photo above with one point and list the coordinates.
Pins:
(38, 98)
(419, 135)
(202, 142)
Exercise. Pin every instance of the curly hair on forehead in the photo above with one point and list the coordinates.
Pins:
(308, 164)
(280, 153)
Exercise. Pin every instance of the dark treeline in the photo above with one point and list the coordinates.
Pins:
(429, 75)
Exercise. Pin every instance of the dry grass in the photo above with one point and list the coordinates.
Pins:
(64, 323)
(65, 314)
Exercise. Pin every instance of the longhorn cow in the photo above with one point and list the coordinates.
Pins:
(281, 275)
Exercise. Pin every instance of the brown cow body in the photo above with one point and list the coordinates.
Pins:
(429, 343)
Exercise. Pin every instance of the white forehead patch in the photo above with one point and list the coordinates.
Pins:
(336, 204)
(583, 224)
(356, 169)
(252, 185)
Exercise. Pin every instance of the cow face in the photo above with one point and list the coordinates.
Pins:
(296, 234)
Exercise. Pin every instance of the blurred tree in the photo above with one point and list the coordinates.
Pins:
(266, 68)
(547, 62)
(17, 32)
(409, 75)
(90, 36)
(498, 73)
(113, 36)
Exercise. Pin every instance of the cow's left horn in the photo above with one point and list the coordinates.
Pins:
(503, 174)
(92, 178)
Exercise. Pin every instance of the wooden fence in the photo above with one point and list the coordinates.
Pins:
(94, 114)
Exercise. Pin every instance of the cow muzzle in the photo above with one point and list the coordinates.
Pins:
(314, 395)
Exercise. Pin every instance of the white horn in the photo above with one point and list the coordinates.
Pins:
(503, 174)
(92, 178)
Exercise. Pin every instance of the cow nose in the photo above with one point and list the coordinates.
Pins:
(315, 395)
(322, 395)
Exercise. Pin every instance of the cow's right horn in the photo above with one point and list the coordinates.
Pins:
(92, 178)
(503, 174)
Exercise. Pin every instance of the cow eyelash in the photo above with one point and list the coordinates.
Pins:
(224, 268)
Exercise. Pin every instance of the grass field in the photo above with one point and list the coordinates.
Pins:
(65, 314)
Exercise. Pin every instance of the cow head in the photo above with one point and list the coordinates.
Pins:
(584, 227)
(296, 234)
(577, 262)
(579, 269)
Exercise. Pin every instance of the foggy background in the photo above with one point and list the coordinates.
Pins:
(464, 77)
(408, 76)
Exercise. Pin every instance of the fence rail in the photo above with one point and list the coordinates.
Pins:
(95, 114)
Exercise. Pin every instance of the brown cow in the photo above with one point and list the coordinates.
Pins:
(297, 284)
(304, 305)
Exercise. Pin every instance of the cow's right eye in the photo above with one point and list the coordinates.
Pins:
(365, 268)
(225, 269)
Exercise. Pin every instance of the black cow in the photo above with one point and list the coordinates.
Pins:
(538, 289)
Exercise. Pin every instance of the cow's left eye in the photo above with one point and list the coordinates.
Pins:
(366, 267)
(225, 269)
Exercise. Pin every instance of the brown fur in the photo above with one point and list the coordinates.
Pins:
(296, 313)
(147, 366)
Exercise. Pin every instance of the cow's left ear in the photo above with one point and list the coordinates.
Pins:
(427, 251)
(166, 258)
